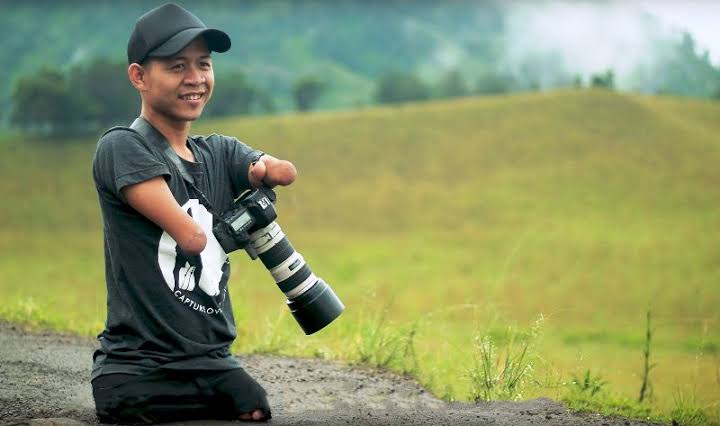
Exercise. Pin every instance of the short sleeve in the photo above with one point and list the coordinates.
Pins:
(122, 159)
(238, 158)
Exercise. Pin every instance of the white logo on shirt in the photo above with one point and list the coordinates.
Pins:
(204, 271)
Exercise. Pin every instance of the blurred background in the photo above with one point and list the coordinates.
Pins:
(513, 199)
(302, 55)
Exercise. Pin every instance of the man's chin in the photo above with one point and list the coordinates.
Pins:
(187, 116)
(193, 115)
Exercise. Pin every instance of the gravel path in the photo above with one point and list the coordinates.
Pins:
(44, 381)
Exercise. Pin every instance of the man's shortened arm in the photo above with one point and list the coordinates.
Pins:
(153, 199)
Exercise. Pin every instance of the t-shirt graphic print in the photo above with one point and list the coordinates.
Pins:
(195, 280)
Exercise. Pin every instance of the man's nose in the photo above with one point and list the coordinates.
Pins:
(194, 76)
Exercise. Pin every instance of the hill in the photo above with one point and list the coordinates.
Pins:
(556, 219)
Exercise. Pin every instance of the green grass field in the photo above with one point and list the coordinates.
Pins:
(553, 221)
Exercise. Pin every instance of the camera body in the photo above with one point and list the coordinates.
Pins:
(250, 225)
(252, 211)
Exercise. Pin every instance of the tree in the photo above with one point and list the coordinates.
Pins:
(105, 86)
(493, 83)
(687, 72)
(306, 92)
(233, 95)
(265, 102)
(604, 80)
(395, 87)
(577, 81)
(94, 95)
(45, 103)
(452, 85)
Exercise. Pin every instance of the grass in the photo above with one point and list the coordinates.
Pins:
(501, 374)
(441, 223)
(385, 345)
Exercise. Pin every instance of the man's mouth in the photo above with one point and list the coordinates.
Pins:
(191, 96)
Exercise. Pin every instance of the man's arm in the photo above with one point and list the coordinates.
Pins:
(153, 199)
(272, 172)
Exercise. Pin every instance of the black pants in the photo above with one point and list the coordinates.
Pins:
(176, 395)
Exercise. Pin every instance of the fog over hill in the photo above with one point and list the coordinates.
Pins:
(628, 37)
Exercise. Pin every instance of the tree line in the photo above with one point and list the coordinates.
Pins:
(88, 97)
(98, 94)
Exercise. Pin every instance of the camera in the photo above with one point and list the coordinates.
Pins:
(250, 224)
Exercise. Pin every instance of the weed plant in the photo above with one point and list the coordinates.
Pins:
(501, 373)
(588, 385)
(384, 345)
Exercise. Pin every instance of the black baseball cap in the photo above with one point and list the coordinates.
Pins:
(166, 30)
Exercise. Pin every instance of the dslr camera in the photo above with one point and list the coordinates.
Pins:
(250, 225)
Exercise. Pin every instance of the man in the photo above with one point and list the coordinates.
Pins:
(164, 353)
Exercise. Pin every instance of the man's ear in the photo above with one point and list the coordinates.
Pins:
(136, 74)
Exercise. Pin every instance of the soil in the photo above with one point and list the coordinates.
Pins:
(44, 380)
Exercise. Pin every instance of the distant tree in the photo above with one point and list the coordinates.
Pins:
(233, 95)
(493, 83)
(604, 80)
(683, 70)
(577, 81)
(536, 70)
(264, 102)
(452, 85)
(45, 103)
(396, 86)
(306, 92)
(104, 84)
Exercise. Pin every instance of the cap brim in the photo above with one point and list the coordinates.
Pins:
(217, 41)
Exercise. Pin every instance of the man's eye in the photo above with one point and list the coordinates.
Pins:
(177, 67)
(205, 64)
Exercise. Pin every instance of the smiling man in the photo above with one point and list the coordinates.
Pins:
(165, 351)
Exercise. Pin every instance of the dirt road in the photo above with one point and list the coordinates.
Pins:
(44, 381)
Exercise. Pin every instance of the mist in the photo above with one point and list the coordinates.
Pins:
(563, 39)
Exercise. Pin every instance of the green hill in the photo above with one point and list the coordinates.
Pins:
(456, 219)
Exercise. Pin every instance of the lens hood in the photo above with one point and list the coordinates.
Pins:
(316, 308)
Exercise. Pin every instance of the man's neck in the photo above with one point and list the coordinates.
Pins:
(176, 132)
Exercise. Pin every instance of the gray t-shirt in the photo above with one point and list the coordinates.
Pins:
(165, 310)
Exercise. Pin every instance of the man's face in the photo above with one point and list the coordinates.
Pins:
(178, 87)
